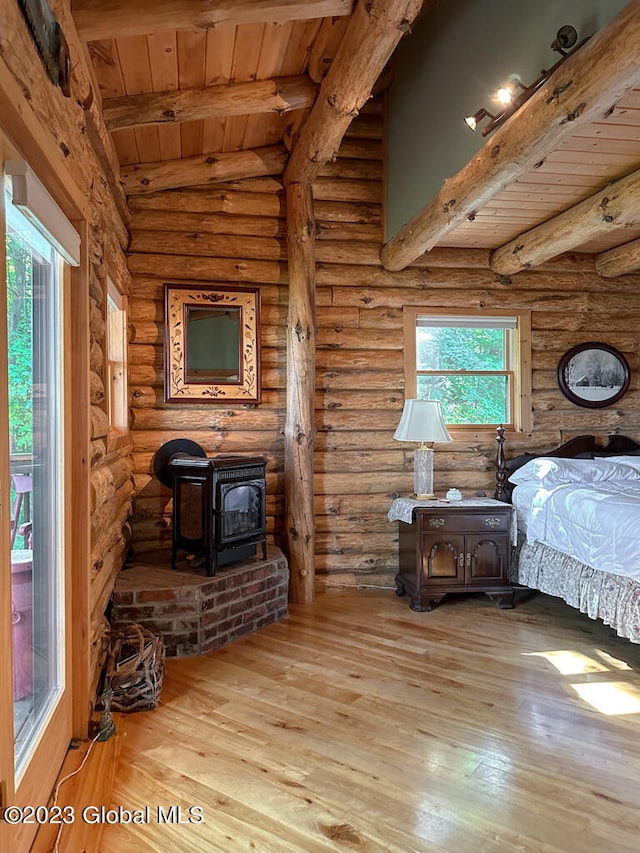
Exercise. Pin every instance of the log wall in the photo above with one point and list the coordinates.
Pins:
(236, 233)
(68, 125)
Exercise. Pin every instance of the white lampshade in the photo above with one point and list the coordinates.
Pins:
(422, 421)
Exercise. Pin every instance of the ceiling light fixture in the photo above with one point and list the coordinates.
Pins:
(565, 44)
(472, 121)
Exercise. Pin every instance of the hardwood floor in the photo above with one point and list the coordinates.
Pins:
(357, 724)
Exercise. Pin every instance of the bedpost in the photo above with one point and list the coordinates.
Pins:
(501, 475)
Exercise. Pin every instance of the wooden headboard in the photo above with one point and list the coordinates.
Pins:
(580, 447)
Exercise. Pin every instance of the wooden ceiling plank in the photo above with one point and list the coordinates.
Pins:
(582, 90)
(148, 142)
(616, 206)
(191, 138)
(212, 134)
(191, 74)
(533, 206)
(524, 187)
(268, 130)
(244, 68)
(246, 55)
(124, 142)
(133, 59)
(559, 179)
(170, 142)
(220, 45)
(613, 130)
(163, 61)
(104, 56)
(256, 132)
(261, 129)
(168, 107)
(234, 131)
(326, 46)
(96, 19)
(613, 163)
(554, 165)
(296, 56)
(624, 147)
(372, 34)
(630, 101)
(274, 45)
(203, 170)
(621, 118)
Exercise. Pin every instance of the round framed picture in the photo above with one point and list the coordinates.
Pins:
(593, 375)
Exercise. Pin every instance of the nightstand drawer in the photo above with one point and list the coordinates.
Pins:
(465, 521)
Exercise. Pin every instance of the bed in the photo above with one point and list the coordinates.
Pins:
(578, 516)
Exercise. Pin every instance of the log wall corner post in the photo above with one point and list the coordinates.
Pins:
(299, 432)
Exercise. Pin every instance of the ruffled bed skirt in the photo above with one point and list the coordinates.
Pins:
(612, 598)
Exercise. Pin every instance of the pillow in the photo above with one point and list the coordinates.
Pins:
(633, 460)
(551, 472)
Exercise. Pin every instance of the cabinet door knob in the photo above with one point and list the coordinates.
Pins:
(469, 560)
(461, 560)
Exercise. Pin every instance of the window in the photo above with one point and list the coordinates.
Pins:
(116, 347)
(477, 365)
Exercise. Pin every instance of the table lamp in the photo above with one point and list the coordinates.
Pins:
(422, 421)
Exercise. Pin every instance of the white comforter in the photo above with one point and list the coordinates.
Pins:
(596, 523)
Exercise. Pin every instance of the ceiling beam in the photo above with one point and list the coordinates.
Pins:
(616, 206)
(372, 34)
(584, 89)
(97, 19)
(619, 261)
(233, 99)
(203, 170)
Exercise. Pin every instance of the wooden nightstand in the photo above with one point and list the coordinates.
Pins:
(458, 547)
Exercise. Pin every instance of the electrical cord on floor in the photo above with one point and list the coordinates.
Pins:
(65, 779)
(106, 728)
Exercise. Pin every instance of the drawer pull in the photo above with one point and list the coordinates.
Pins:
(469, 560)
(437, 522)
(461, 560)
(492, 521)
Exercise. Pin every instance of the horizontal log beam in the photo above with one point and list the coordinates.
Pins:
(96, 19)
(224, 200)
(616, 206)
(372, 34)
(204, 169)
(619, 261)
(279, 95)
(582, 90)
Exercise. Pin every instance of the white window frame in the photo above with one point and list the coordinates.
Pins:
(519, 367)
(116, 342)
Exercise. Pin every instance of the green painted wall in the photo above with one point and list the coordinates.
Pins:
(458, 55)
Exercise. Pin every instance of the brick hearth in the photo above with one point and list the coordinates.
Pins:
(195, 614)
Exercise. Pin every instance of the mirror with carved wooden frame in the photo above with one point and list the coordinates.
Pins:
(211, 343)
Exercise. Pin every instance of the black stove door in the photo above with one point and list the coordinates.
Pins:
(241, 511)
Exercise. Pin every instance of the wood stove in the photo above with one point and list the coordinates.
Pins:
(218, 503)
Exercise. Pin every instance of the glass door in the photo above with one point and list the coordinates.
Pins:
(34, 433)
(34, 335)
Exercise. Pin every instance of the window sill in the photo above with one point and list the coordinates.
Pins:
(462, 433)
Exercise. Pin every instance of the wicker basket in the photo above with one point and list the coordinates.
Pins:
(135, 669)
